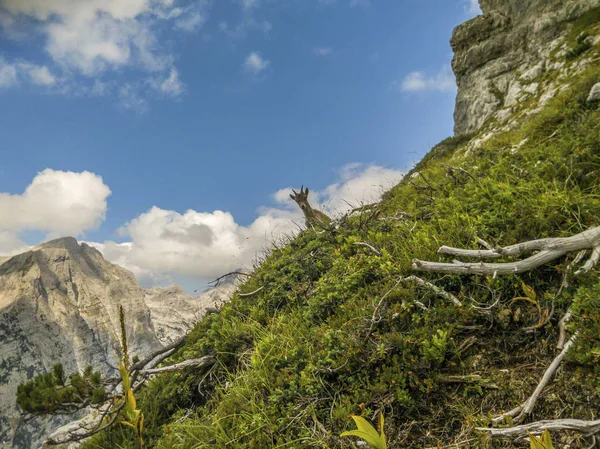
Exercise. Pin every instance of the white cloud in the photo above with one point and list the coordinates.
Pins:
(91, 36)
(443, 81)
(11, 244)
(171, 85)
(12, 73)
(195, 244)
(192, 22)
(322, 51)
(204, 245)
(58, 202)
(255, 63)
(8, 74)
(39, 75)
(97, 39)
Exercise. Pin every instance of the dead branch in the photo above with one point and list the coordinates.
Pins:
(201, 362)
(217, 281)
(526, 407)
(77, 435)
(451, 171)
(562, 327)
(175, 345)
(243, 295)
(469, 378)
(587, 428)
(438, 291)
(372, 248)
(548, 249)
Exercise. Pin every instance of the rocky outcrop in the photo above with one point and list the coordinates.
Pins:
(59, 302)
(500, 55)
(174, 312)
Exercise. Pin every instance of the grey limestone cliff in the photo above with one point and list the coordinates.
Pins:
(513, 52)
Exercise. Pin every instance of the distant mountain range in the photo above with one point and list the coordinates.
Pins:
(59, 302)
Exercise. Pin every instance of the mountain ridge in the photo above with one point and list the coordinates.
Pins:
(59, 302)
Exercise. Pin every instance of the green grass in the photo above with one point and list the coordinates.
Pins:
(302, 355)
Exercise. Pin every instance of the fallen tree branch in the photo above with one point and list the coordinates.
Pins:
(78, 435)
(549, 250)
(201, 362)
(526, 407)
(587, 428)
(175, 345)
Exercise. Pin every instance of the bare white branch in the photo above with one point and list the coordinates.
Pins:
(587, 428)
(549, 250)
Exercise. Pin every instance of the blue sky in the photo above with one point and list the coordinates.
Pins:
(129, 123)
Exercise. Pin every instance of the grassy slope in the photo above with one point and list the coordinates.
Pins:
(296, 359)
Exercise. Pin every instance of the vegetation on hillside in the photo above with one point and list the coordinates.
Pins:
(335, 331)
(335, 328)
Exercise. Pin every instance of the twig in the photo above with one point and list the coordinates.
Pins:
(438, 291)
(526, 407)
(217, 281)
(372, 248)
(243, 295)
(562, 327)
(485, 244)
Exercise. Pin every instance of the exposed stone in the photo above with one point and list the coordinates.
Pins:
(534, 72)
(512, 39)
(59, 302)
(504, 114)
(594, 93)
(547, 96)
(531, 88)
(174, 312)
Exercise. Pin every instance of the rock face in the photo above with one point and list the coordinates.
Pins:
(173, 311)
(499, 54)
(59, 302)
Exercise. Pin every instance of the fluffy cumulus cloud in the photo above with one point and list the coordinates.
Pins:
(56, 202)
(204, 245)
(85, 40)
(418, 81)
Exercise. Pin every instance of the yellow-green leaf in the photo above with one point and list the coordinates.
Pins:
(529, 291)
(124, 377)
(130, 403)
(368, 433)
(542, 442)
